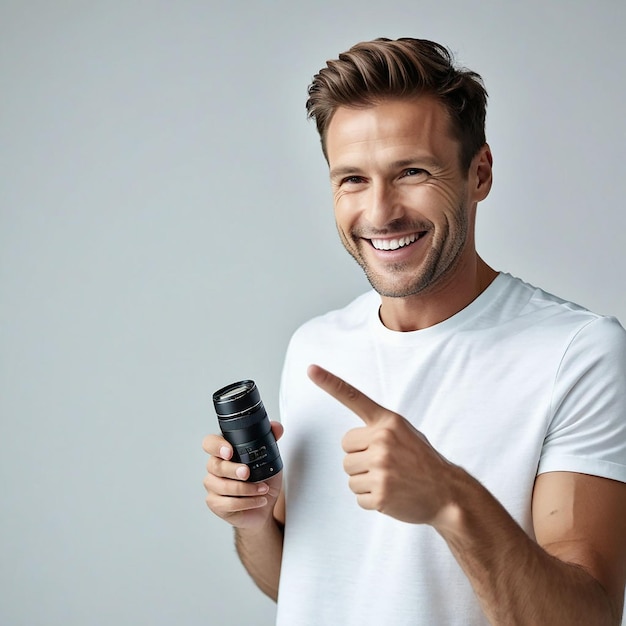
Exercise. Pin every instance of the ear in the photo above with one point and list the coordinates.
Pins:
(481, 173)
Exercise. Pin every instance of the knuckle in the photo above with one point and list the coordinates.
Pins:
(384, 448)
(214, 504)
(353, 483)
(378, 504)
(207, 482)
(374, 502)
(385, 436)
(392, 422)
(210, 444)
(230, 487)
(346, 464)
(385, 484)
(237, 488)
(351, 392)
(222, 469)
(382, 459)
(379, 499)
(213, 466)
(214, 486)
(394, 419)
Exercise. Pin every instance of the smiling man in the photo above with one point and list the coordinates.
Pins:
(404, 206)
(455, 439)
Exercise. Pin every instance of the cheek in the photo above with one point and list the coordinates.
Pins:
(438, 204)
(439, 197)
(346, 210)
(343, 200)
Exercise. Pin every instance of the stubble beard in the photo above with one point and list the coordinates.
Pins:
(441, 259)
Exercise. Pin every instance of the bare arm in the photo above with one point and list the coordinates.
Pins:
(260, 551)
(255, 510)
(575, 572)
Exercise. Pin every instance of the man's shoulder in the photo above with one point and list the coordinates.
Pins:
(522, 299)
(550, 319)
(356, 314)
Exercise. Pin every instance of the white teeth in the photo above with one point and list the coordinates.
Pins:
(393, 244)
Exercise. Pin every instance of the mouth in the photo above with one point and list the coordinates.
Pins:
(397, 242)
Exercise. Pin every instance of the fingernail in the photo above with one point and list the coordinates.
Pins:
(263, 488)
(225, 452)
(241, 472)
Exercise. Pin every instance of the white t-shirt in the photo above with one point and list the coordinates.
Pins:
(517, 383)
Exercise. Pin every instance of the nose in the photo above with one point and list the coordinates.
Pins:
(383, 205)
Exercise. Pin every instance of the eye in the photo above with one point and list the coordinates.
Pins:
(352, 180)
(414, 171)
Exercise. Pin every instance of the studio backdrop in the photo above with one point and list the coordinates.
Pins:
(166, 223)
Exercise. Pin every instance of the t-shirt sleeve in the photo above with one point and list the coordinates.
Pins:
(587, 431)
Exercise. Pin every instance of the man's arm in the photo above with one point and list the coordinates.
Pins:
(255, 510)
(260, 550)
(574, 573)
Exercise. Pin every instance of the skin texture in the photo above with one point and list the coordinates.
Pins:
(394, 172)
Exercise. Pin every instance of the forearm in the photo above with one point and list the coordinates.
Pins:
(261, 552)
(516, 581)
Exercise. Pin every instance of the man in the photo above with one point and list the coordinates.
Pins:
(484, 439)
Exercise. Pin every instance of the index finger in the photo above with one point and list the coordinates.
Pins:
(217, 446)
(368, 410)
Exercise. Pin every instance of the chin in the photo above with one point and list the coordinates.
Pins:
(396, 289)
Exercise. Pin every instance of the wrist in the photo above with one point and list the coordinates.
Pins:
(268, 527)
(462, 503)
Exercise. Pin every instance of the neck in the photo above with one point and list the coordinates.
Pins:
(441, 301)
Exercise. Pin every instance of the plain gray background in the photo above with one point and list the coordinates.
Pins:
(166, 224)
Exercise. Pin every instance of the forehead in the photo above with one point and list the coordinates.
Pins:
(420, 125)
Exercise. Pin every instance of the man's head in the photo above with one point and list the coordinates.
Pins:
(374, 71)
(403, 133)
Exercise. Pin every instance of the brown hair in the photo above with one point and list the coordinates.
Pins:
(373, 71)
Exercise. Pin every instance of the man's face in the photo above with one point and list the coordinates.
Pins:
(401, 202)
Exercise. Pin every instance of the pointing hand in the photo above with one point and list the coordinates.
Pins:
(392, 467)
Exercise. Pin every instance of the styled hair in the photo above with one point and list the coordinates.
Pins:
(374, 71)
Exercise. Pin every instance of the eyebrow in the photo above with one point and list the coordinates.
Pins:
(344, 170)
(416, 161)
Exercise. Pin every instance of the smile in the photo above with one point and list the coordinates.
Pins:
(395, 244)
